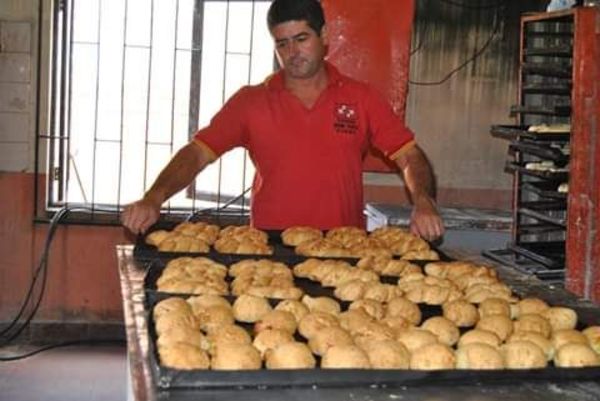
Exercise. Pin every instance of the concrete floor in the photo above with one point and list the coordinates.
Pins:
(91, 373)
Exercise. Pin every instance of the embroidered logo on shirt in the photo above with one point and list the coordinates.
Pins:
(345, 118)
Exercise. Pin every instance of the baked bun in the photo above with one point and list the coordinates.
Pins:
(236, 357)
(414, 338)
(523, 355)
(479, 336)
(227, 335)
(270, 339)
(593, 335)
(479, 356)
(561, 317)
(276, 319)
(387, 354)
(291, 355)
(183, 356)
(314, 322)
(345, 357)
(294, 236)
(533, 322)
(295, 307)
(445, 330)
(567, 336)
(461, 312)
(576, 355)
(494, 306)
(250, 309)
(528, 306)
(544, 343)
(499, 324)
(327, 338)
(404, 308)
(322, 304)
(433, 357)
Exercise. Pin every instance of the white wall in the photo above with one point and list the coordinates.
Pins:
(18, 48)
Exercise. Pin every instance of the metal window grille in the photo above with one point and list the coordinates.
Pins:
(132, 81)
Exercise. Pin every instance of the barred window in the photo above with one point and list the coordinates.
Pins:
(133, 80)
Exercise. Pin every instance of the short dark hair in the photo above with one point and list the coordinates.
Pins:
(296, 10)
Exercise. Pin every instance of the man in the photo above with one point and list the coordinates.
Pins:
(307, 128)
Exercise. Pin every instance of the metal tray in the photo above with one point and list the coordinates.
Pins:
(547, 69)
(516, 132)
(559, 111)
(143, 251)
(544, 189)
(550, 254)
(174, 379)
(558, 177)
(543, 151)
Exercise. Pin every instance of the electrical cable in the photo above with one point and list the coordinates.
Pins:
(63, 344)
(217, 209)
(43, 269)
(466, 62)
(40, 268)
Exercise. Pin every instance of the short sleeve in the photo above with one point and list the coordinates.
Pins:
(228, 128)
(388, 133)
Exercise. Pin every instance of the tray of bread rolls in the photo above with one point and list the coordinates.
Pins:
(262, 322)
(203, 238)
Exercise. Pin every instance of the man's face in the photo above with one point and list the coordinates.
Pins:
(300, 51)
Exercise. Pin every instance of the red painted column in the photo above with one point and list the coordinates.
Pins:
(370, 41)
(583, 250)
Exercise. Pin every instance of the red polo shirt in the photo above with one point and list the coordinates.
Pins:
(308, 161)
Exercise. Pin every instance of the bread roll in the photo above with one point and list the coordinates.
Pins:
(479, 356)
(183, 356)
(523, 355)
(387, 354)
(576, 355)
(345, 357)
(433, 357)
(236, 357)
(292, 355)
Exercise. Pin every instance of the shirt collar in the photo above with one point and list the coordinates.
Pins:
(276, 80)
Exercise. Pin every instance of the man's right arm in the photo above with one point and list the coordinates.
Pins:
(178, 174)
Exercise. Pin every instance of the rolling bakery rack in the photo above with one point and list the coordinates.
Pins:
(551, 62)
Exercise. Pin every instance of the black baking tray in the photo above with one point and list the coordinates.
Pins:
(516, 132)
(543, 151)
(143, 251)
(557, 110)
(555, 176)
(547, 69)
(544, 189)
(549, 253)
(174, 379)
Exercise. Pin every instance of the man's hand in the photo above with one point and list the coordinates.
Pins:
(140, 215)
(425, 221)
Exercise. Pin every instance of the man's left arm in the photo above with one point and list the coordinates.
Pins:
(418, 177)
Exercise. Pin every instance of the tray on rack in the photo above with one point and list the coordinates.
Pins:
(555, 176)
(546, 189)
(551, 254)
(543, 151)
(550, 51)
(557, 111)
(547, 69)
(517, 132)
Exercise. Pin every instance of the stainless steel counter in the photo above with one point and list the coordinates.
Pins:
(143, 386)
